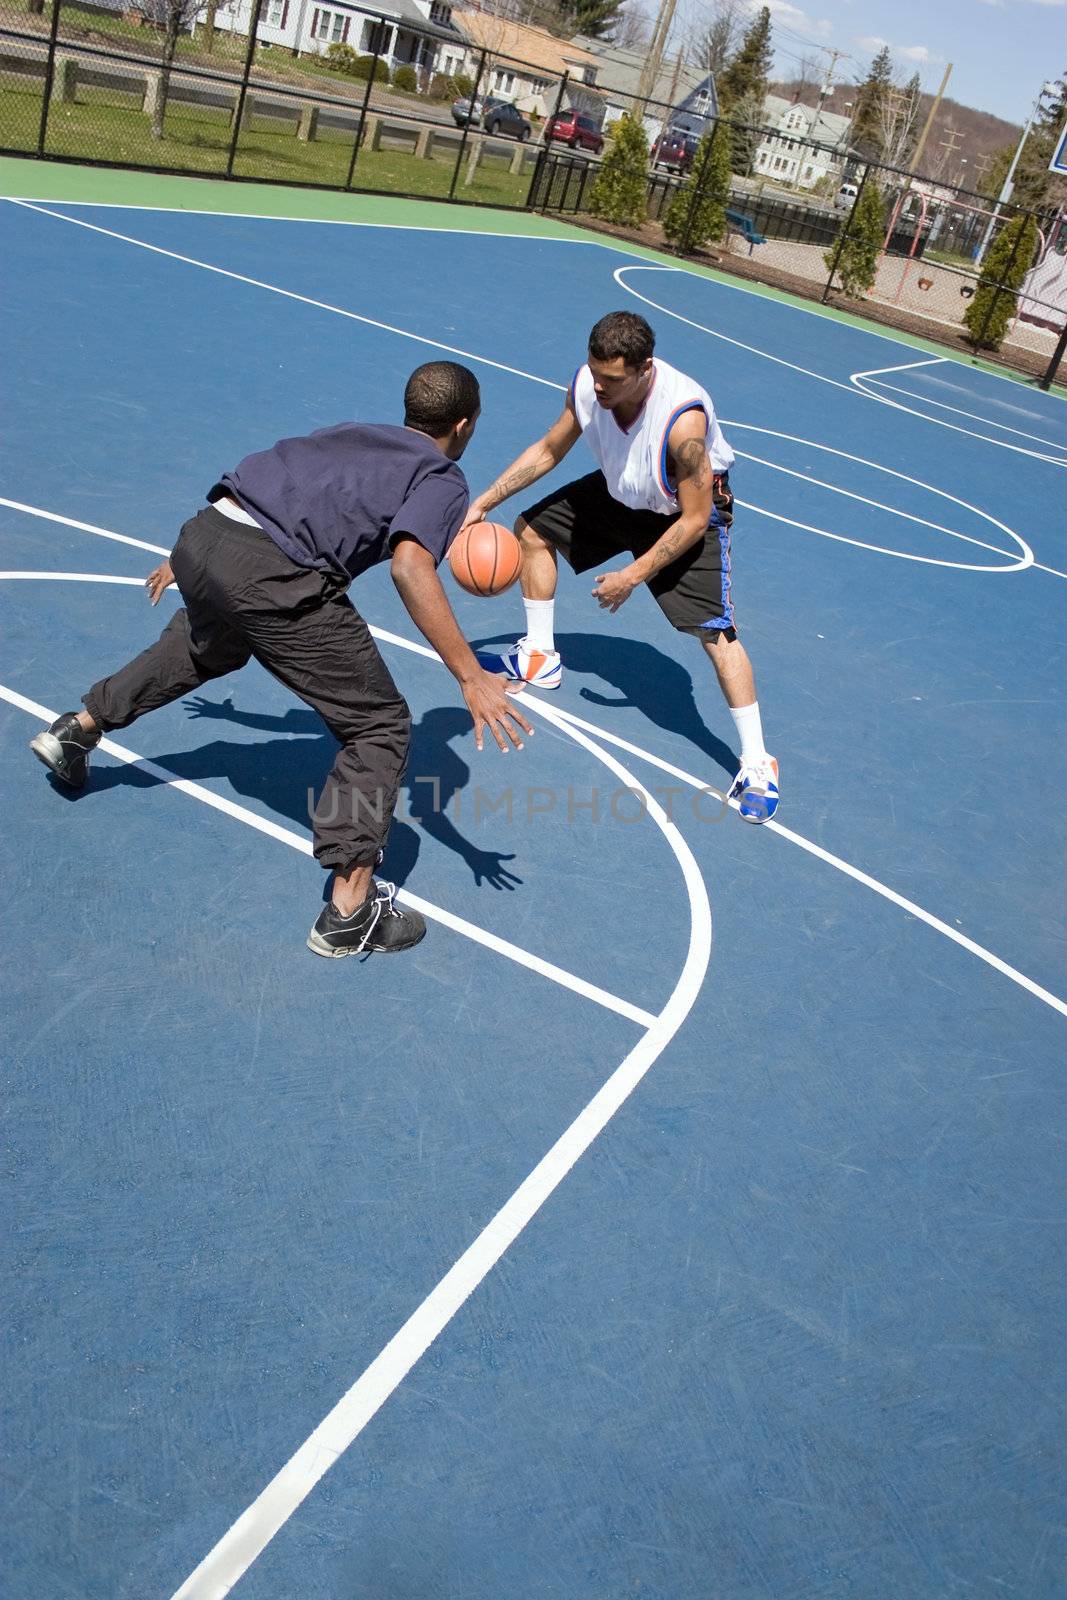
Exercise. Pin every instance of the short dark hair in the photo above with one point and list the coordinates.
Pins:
(438, 395)
(622, 333)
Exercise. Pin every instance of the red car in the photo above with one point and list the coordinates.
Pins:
(675, 150)
(575, 130)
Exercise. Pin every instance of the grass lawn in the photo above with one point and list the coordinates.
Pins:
(949, 258)
(227, 54)
(197, 139)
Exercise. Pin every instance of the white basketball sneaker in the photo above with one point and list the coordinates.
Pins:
(541, 669)
(756, 789)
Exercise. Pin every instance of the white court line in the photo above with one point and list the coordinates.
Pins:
(75, 577)
(852, 387)
(239, 1547)
(974, 416)
(84, 527)
(860, 387)
(235, 1552)
(613, 247)
(30, 200)
(841, 866)
(561, 388)
(287, 294)
(232, 1556)
(297, 841)
(798, 839)
(1016, 564)
(617, 247)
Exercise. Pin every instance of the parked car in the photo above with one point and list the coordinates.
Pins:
(577, 131)
(675, 150)
(495, 116)
(845, 198)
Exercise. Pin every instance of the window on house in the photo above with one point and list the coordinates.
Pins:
(588, 74)
(331, 26)
(440, 13)
(503, 82)
(273, 13)
(703, 104)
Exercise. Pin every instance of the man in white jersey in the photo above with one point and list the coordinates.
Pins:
(662, 494)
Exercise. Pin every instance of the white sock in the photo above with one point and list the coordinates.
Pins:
(749, 731)
(539, 614)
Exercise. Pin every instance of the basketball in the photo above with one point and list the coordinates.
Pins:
(485, 558)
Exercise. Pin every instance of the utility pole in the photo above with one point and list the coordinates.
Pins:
(1005, 193)
(950, 147)
(930, 115)
(650, 71)
(835, 57)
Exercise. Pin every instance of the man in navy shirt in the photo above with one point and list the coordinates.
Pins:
(263, 571)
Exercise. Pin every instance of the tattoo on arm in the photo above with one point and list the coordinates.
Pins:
(512, 482)
(691, 460)
(671, 546)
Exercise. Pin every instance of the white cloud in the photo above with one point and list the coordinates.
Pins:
(907, 52)
(791, 16)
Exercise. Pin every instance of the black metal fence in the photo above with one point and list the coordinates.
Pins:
(260, 90)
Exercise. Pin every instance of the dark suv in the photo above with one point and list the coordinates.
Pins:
(575, 130)
(495, 116)
(675, 150)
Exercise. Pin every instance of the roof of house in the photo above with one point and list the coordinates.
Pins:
(826, 127)
(407, 12)
(532, 47)
(620, 69)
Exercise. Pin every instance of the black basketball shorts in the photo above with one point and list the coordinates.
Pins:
(591, 529)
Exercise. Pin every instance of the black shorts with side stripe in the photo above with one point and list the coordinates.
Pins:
(590, 529)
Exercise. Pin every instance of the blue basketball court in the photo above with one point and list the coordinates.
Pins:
(681, 1218)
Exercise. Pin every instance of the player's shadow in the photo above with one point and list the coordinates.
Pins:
(287, 774)
(646, 679)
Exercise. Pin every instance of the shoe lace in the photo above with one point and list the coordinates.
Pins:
(384, 895)
(381, 906)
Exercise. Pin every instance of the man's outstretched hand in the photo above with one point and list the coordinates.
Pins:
(612, 590)
(157, 581)
(490, 707)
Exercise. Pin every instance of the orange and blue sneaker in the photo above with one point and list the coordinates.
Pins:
(756, 789)
(541, 669)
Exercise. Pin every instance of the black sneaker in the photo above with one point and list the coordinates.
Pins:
(64, 749)
(377, 925)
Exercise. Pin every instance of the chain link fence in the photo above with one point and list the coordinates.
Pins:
(925, 257)
(267, 90)
(297, 92)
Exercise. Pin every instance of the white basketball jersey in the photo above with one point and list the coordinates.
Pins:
(634, 459)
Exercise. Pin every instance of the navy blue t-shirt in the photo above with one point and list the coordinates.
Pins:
(338, 499)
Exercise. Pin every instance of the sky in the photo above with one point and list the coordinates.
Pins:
(1001, 50)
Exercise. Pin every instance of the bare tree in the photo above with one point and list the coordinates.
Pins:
(896, 120)
(174, 17)
(631, 29)
(722, 35)
(808, 78)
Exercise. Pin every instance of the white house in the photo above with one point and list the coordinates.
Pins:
(418, 33)
(786, 156)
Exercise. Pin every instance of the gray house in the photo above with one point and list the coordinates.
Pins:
(682, 96)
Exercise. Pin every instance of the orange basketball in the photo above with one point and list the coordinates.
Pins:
(485, 558)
